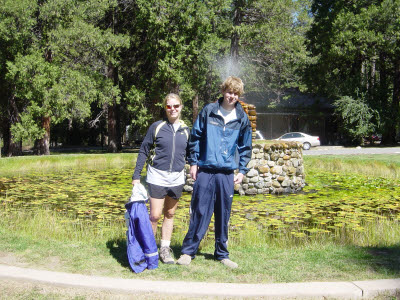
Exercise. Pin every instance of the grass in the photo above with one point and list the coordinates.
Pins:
(22, 165)
(79, 249)
(379, 165)
(48, 239)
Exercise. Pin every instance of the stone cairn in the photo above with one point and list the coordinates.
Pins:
(250, 110)
(274, 168)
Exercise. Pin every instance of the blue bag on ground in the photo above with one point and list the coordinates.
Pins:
(141, 244)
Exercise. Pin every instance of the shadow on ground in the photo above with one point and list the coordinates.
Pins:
(117, 248)
(385, 259)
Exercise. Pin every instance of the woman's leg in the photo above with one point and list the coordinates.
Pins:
(156, 208)
(170, 205)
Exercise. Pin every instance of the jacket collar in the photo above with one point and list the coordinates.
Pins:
(183, 125)
(239, 109)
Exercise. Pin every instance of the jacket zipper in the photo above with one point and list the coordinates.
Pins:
(173, 149)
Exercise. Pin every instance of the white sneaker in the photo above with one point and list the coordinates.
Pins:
(184, 260)
(230, 264)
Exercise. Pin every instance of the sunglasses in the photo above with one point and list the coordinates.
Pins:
(176, 106)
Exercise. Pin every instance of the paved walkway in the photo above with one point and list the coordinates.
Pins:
(340, 150)
(348, 290)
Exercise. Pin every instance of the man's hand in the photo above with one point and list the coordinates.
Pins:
(238, 178)
(193, 172)
(135, 181)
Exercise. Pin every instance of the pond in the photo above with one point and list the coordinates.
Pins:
(329, 201)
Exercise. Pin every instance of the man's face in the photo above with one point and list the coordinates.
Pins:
(230, 98)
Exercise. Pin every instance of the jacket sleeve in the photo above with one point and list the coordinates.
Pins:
(144, 151)
(196, 135)
(244, 145)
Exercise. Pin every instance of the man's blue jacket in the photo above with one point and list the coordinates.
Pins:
(219, 146)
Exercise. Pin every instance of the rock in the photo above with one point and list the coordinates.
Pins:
(278, 191)
(252, 191)
(259, 155)
(267, 148)
(281, 178)
(263, 169)
(187, 188)
(291, 170)
(276, 184)
(250, 216)
(276, 170)
(259, 185)
(299, 170)
(252, 163)
(295, 162)
(252, 173)
(275, 156)
(254, 179)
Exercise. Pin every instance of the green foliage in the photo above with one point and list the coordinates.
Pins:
(135, 104)
(272, 36)
(356, 46)
(356, 117)
(171, 44)
(59, 69)
(27, 129)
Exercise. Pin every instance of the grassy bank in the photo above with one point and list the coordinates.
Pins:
(22, 165)
(48, 241)
(379, 165)
(356, 240)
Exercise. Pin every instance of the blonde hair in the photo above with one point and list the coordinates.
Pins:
(172, 96)
(234, 84)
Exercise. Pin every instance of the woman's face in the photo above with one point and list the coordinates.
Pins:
(173, 109)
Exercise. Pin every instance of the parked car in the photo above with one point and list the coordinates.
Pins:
(307, 140)
(259, 135)
(373, 139)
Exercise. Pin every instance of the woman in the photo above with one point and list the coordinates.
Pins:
(164, 146)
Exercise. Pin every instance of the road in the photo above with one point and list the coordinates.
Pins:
(340, 150)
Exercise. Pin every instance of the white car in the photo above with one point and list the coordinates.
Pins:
(258, 135)
(307, 140)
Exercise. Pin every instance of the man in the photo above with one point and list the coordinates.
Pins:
(220, 143)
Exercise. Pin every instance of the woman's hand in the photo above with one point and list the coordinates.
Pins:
(135, 181)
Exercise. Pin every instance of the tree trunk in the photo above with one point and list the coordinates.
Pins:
(195, 103)
(114, 140)
(114, 143)
(11, 148)
(235, 37)
(43, 144)
(395, 101)
(389, 134)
